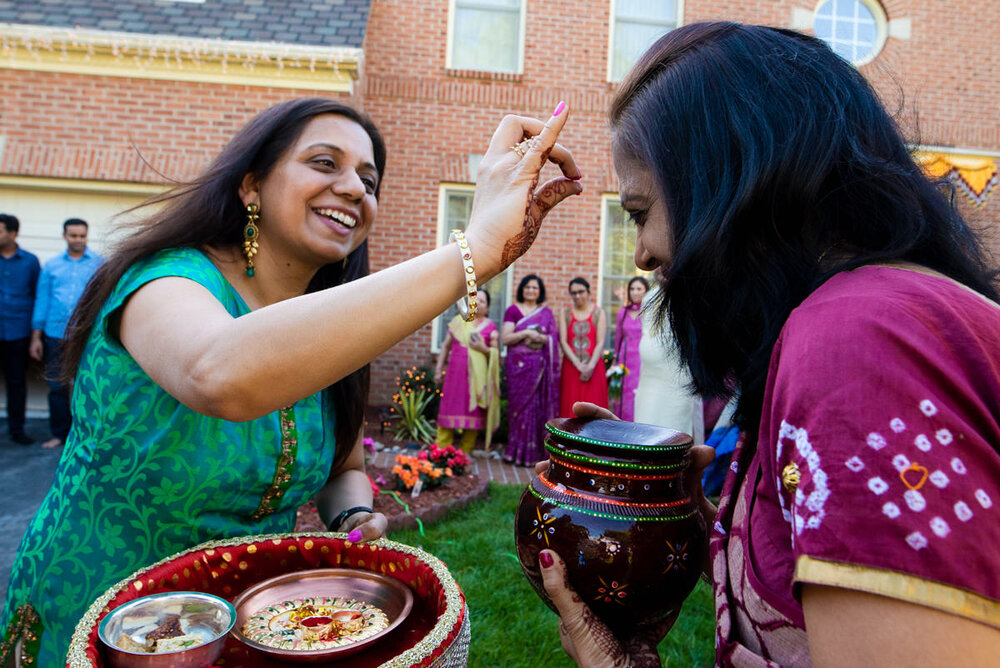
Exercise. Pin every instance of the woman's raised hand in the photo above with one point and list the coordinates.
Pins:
(509, 205)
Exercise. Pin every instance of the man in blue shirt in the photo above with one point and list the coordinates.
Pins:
(60, 286)
(18, 277)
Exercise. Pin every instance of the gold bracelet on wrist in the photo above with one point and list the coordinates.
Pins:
(466, 305)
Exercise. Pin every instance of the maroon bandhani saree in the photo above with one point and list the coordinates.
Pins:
(876, 467)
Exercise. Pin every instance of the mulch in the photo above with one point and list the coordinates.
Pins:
(429, 506)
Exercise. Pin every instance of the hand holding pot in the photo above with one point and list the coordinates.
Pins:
(615, 503)
(585, 638)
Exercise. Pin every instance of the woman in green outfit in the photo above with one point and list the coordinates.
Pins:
(220, 355)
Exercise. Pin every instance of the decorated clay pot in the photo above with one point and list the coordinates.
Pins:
(614, 505)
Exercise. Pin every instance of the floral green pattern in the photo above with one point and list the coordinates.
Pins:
(143, 477)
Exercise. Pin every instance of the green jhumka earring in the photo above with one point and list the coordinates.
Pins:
(250, 234)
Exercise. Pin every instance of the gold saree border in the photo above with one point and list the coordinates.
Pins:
(901, 586)
(283, 466)
(25, 627)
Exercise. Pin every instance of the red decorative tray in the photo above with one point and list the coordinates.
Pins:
(435, 633)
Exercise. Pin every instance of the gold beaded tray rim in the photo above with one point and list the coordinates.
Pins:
(455, 606)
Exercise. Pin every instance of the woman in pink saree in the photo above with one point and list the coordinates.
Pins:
(531, 335)
(806, 263)
(470, 394)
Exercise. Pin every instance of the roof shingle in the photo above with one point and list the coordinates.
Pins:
(301, 22)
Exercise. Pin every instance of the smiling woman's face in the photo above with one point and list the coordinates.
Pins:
(641, 200)
(318, 202)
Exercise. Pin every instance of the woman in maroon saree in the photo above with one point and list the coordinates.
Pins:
(807, 264)
(531, 335)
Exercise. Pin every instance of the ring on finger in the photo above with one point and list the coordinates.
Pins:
(525, 145)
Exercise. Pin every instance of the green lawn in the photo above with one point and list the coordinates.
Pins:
(511, 627)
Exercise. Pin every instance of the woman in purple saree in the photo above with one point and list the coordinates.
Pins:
(531, 336)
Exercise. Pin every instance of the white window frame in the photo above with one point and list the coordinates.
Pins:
(881, 28)
(612, 18)
(440, 323)
(450, 44)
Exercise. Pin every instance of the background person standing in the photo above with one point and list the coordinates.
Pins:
(18, 276)
(628, 334)
(531, 335)
(663, 395)
(582, 329)
(470, 394)
(60, 285)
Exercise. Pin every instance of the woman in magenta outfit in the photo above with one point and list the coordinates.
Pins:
(531, 336)
(470, 397)
(628, 334)
(806, 263)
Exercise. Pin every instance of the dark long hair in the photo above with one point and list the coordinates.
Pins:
(769, 153)
(208, 213)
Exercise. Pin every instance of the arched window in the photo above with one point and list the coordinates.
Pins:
(855, 29)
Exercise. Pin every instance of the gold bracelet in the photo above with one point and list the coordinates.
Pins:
(466, 305)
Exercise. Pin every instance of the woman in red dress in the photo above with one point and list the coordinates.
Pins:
(581, 328)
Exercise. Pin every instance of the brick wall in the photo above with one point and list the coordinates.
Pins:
(78, 126)
(434, 117)
(109, 128)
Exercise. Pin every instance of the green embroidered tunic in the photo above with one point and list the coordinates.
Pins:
(143, 477)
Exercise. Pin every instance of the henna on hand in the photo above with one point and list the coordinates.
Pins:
(605, 649)
(642, 647)
(603, 638)
(519, 244)
(536, 207)
(643, 655)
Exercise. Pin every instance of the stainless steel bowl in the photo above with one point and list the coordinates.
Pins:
(386, 593)
(204, 615)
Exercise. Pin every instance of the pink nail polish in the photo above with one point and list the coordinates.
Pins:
(559, 108)
(545, 559)
(354, 536)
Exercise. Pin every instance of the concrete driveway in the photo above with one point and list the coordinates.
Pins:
(26, 473)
